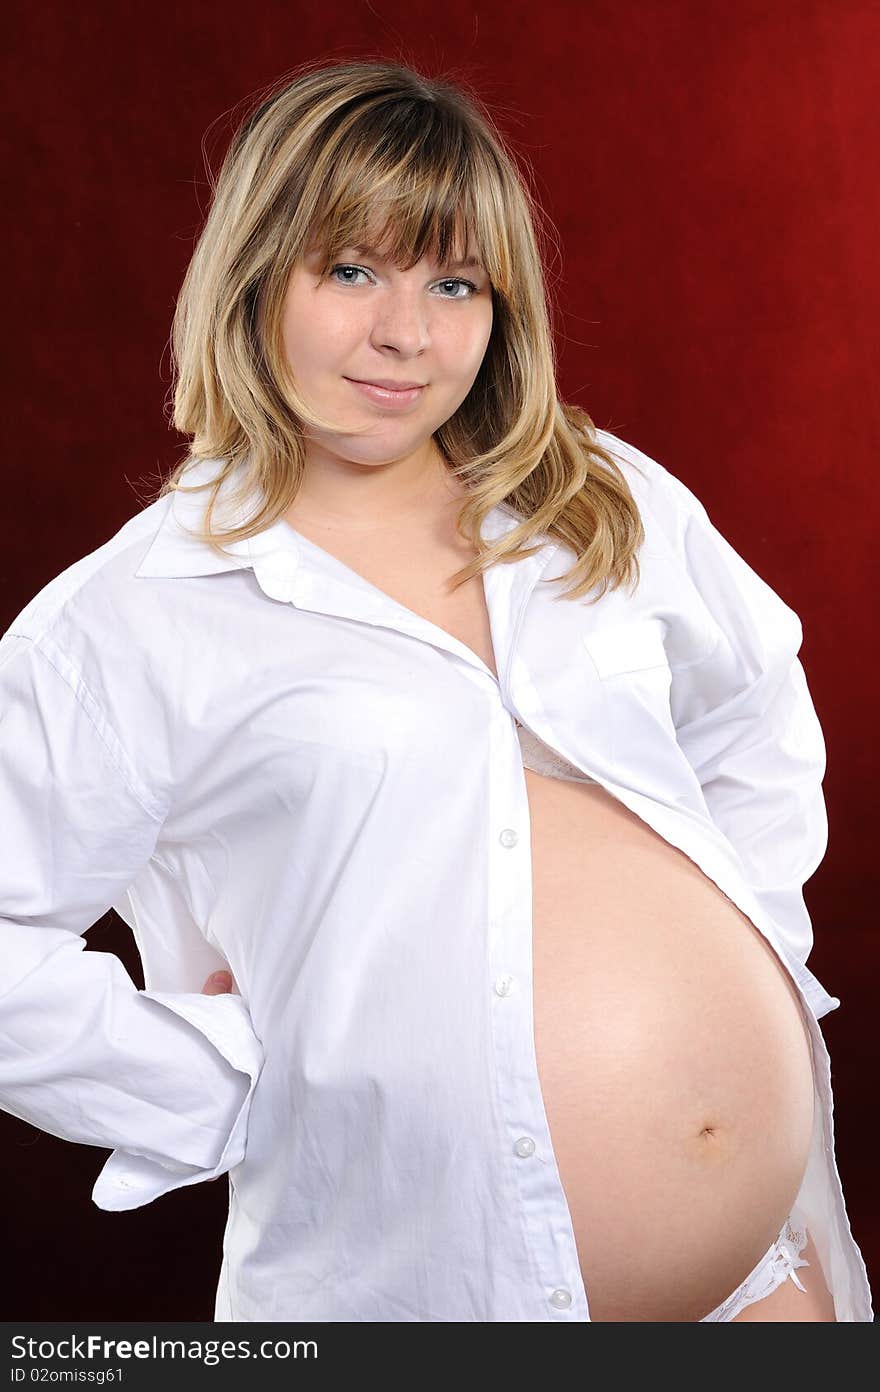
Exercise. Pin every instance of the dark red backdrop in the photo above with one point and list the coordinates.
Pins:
(710, 170)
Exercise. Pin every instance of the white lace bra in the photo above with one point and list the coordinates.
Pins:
(538, 756)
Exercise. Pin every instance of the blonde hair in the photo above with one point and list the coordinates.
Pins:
(315, 162)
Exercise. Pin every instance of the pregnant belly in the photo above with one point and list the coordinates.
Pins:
(673, 1058)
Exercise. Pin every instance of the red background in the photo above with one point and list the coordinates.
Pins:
(710, 173)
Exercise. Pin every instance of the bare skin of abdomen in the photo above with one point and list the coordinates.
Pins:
(673, 1057)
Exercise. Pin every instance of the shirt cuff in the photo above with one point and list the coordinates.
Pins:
(129, 1180)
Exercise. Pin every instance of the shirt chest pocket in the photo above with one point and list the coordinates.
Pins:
(631, 646)
(632, 664)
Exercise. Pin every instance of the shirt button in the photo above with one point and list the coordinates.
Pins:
(561, 1299)
(508, 837)
(525, 1146)
(503, 985)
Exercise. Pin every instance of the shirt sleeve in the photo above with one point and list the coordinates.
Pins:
(747, 725)
(165, 1079)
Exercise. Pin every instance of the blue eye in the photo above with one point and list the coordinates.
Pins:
(468, 284)
(359, 270)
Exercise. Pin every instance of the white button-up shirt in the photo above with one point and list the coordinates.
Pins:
(267, 762)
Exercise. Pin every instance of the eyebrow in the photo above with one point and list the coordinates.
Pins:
(470, 262)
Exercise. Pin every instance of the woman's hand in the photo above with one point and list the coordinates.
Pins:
(218, 984)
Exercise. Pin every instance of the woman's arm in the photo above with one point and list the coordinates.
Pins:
(746, 722)
(165, 1079)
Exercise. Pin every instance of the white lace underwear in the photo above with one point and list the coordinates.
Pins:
(777, 1265)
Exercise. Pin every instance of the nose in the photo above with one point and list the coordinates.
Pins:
(401, 322)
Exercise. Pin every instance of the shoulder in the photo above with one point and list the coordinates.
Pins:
(650, 480)
(665, 502)
(104, 633)
(100, 584)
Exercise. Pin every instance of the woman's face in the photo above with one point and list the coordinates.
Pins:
(367, 320)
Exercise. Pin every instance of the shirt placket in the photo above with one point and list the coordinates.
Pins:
(526, 1146)
(525, 1143)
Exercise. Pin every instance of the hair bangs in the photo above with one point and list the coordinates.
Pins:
(406, 190)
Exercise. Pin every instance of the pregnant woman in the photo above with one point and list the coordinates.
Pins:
(674, 1062)
(459, 780)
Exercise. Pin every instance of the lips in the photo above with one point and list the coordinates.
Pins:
(396, 398)
(389, 383)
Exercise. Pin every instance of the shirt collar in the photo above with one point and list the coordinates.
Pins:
(278, 555)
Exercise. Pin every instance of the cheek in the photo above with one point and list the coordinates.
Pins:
(479, 340)
(316, 334)
(465, 349)
(295, 338)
